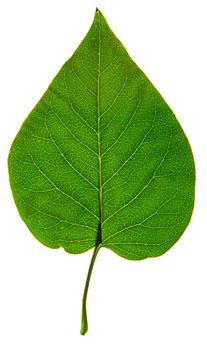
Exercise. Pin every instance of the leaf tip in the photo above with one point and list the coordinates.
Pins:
(97, 10)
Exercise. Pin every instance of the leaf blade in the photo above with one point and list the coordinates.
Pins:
(103, 146)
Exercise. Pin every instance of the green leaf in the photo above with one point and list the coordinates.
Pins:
(101, 161)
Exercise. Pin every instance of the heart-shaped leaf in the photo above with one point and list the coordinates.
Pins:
(101, 161)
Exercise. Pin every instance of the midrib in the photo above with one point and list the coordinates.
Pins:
(98, 132)
(84, 321)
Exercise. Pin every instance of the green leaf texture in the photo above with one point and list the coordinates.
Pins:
(102, 159)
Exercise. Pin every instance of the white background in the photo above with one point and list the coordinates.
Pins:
(154, 304)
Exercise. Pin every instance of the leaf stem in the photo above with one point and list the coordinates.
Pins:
(84, 320)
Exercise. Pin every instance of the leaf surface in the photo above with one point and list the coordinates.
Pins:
(101, 159)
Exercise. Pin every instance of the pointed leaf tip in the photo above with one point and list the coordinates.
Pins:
(97, 10)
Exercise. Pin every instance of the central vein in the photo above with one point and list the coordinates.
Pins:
(99, 121)
(84, 320)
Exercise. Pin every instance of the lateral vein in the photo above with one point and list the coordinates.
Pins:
(56, 187)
